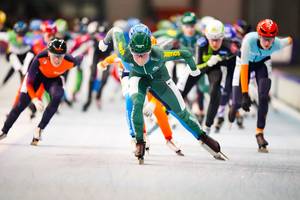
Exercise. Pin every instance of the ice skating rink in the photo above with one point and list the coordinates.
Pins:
(88, 156)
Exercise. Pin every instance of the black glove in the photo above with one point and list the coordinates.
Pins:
(246, 102)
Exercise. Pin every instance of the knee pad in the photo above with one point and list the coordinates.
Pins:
(264, 87)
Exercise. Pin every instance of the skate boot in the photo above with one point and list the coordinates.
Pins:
(32, 116)
(3, 135)
(231, 115)
(86, 106)
(219, 124)
(262, 143)
(239, 121)
(37, 136)
(171, 144)
(140, 152)
(212, 146)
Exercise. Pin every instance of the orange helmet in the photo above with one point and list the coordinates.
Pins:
(267, 28)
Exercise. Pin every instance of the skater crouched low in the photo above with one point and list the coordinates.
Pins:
(44, 74)
(149, 72)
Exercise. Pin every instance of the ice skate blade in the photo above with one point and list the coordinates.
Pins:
(179, 153)
(221, 156)
(263, 150)
(217, 156)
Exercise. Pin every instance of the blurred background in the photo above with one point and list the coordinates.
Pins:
(286, 14)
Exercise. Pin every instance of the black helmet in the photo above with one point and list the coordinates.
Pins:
(57, 46)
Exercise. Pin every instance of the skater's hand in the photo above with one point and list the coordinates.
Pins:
(246, 102)
(38, 104)
(214, 59)
(149, 109)
(102, 46)
(195, 72)
(102, 65)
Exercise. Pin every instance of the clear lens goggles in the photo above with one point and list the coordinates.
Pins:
(140, 54)
(268, 39)
(57, 55)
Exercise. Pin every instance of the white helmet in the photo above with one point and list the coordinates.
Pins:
(214, 30)
(92, 27)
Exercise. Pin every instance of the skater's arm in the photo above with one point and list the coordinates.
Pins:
(32, 72)
(116, 36)
(245, 54)
(76, 60)
(170, 55)
(110, 60)
(280, 43)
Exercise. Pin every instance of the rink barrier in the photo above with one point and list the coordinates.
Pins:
(286, 89)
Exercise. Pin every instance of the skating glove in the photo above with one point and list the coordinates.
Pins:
(102, 65)
(195, 72)
(246, 102)
(214, 59)
(38, 104)
(102, 46)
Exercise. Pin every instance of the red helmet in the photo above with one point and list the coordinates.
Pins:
(267, 28)
(49, 28)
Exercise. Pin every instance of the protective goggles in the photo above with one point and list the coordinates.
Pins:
(140, 54)
(268, 39)
(57, 55)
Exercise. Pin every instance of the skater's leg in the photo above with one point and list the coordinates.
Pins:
(169, 94)
(104, 79)
(129, 107)
(90, 87)
(190, 82)
(264, 85)
(18, 108)
(162, 119)
(138, 87)
(214, 78)
(56, 92)
(8, 75)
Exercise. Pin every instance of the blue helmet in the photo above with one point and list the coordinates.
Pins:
(20, 28)
(131, 22)
(138, 29)
(230, 32)
(35, 25)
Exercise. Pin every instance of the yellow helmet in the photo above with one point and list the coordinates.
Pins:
(2, 17)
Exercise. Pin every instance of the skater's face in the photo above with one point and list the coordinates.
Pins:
(141, 59)
(266, 42)
(215, 44)
(188, 30)
(56, 59)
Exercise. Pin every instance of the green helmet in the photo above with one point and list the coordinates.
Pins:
(62, 25)
(189, 18)
(140, 43)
